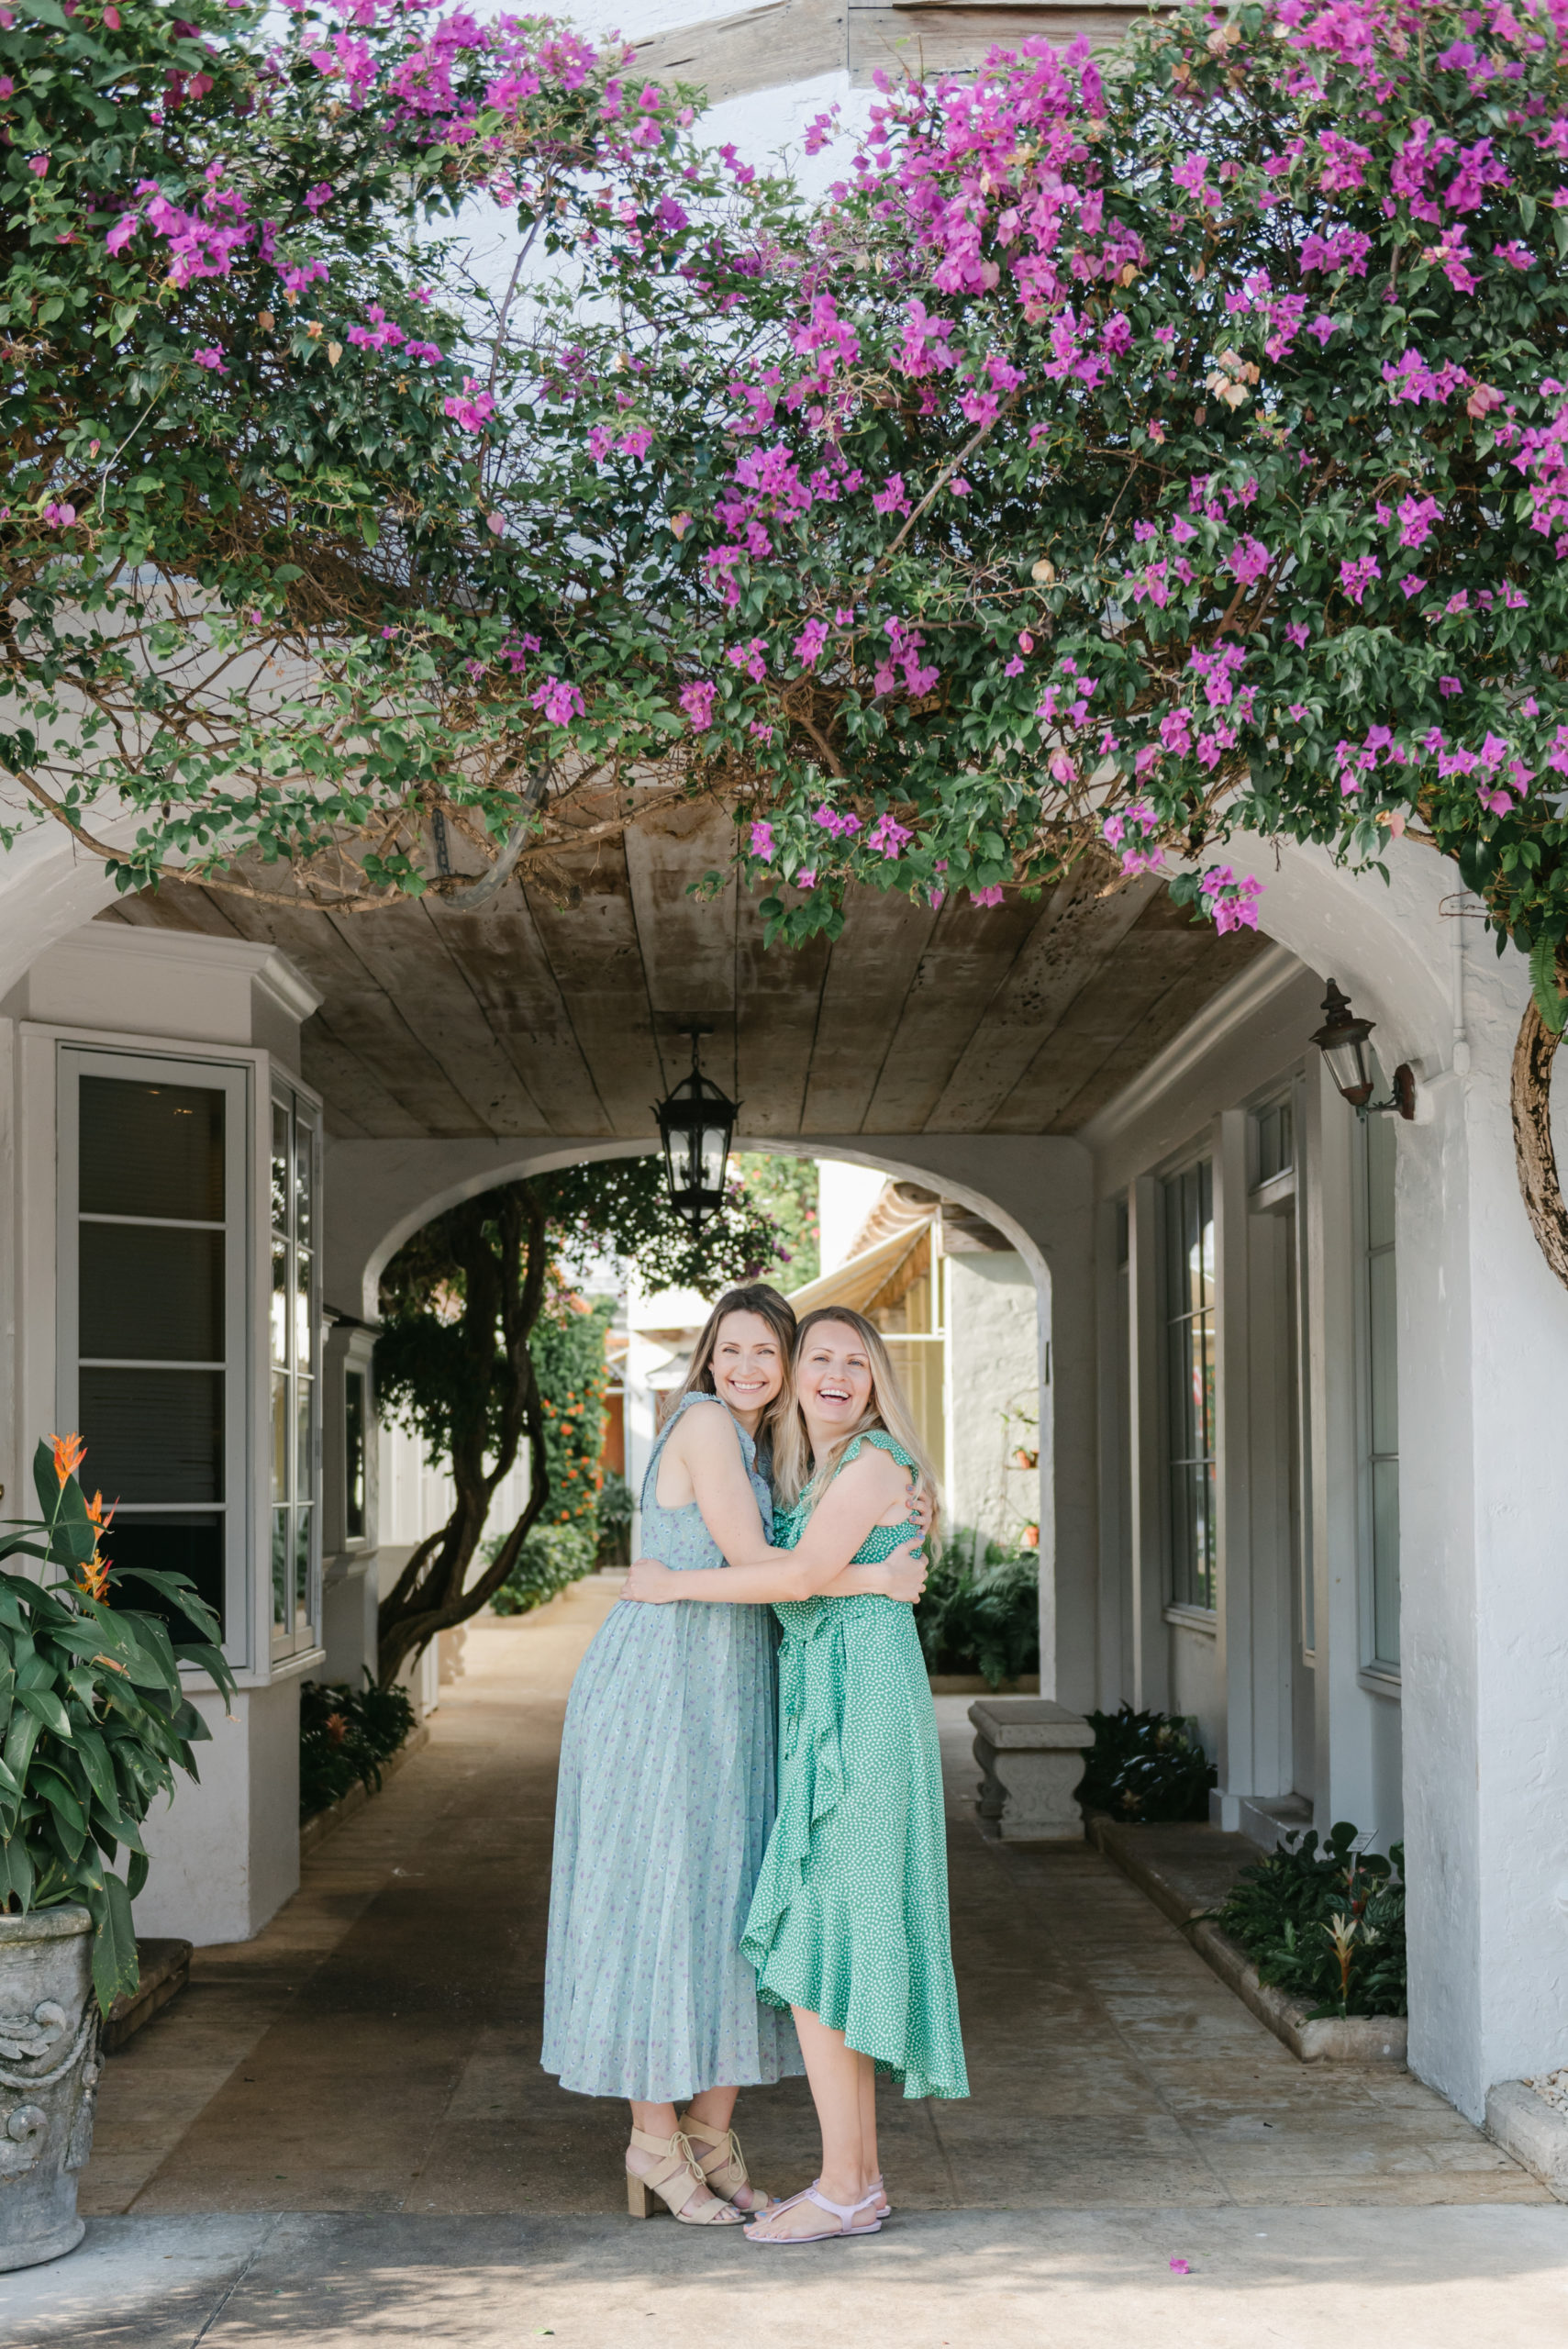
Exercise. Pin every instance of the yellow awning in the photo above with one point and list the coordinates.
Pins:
(856, 1283)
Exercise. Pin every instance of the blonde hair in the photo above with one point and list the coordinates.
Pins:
(797, 1476)
(768, 1307)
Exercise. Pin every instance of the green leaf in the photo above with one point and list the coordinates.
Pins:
(1549, 1000)
(47, 1709)
(16, 1873)
(66, 1811)
(98, 1769)
(115, 1967)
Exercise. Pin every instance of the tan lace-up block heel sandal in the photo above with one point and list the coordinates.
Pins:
(676, 2178)
(723, 2163)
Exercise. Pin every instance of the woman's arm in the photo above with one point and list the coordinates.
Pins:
(855, 1502)
(875, 1581)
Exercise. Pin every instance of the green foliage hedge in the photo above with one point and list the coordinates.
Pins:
(552, 1558)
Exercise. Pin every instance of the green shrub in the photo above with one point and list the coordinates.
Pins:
(981, 1610)
(613, 1516)
(344, 1738)
(1147, 1767)
(553, 1557)
(94, 1716)
(1325, 1922)
(569, 1356)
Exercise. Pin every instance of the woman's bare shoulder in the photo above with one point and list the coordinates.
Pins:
(873, 1471)
(704, 1434)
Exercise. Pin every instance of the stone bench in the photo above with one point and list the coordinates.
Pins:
(1030, 1751)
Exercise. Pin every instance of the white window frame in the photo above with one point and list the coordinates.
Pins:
(1376, 1673)
(1185, 1613)
(132, 1065)
(303, 1110)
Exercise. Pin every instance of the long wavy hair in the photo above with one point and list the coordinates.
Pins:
(797, 1476)
(758, 1299)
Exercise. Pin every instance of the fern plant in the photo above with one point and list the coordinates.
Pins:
(93, 1720)
(981, 1611)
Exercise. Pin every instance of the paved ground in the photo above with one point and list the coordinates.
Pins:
(340, 2134)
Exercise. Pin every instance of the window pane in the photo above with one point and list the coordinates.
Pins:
(1202, 1328)
(148, 1294)
(303, 1187)
(1380, 1149)
(355, 1454)
(1385, 1380)
(1182, 1575)
(155, 1435)
(280, 1436)
(280, 1570)
(302, 1524)
(150, 1150)
(280, 1209)
(189, 1545)
(302, 1314)
(280, 1300)
(1276, 1153)
(304, 1480)
(1190, 1396)
(1385, 1561)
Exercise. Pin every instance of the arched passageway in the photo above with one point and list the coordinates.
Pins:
(1057, 1068)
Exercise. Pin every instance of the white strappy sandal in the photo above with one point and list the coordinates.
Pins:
(843, 2211)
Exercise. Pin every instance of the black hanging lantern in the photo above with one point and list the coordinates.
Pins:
(695, 1124)
(1343, 1040)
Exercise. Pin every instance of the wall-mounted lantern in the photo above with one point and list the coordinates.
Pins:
(696, 1123)
(1343, 1042)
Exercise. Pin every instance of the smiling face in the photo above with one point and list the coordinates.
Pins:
(833, 1381)
(748, 1366)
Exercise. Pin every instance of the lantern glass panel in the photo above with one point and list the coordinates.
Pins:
(1348, 1066)
(715, 1151)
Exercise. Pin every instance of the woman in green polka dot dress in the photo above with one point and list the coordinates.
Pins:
(848, 1923)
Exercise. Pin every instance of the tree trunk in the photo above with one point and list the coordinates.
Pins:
(1533, 1148)
(504, 1286)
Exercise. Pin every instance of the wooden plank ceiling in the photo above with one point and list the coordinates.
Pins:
(538, 1016)
(797, 40)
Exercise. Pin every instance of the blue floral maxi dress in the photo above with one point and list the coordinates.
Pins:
(849, 1919)
(668, 1765)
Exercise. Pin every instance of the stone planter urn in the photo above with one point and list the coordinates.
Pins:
(48, 2074)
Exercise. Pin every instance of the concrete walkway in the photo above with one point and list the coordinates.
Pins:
(340, 2134)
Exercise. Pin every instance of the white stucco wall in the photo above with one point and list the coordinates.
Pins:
(224, 1854)
(993, 1391)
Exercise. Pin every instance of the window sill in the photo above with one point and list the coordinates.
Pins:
(294, 1667)
(1193, 1619)
(1378, 1681)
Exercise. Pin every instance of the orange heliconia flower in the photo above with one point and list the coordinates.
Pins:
(94, 1582)
(69, 1453)
(99, 1516)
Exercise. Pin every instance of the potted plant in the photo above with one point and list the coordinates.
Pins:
(93, 1723)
